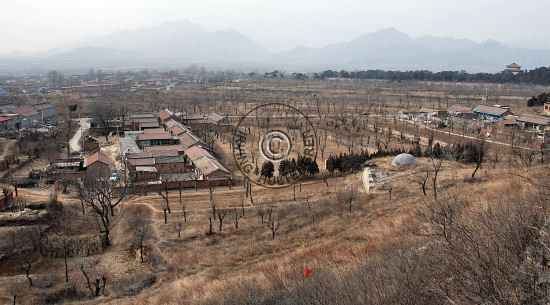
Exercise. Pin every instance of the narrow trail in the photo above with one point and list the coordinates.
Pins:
(74, 143)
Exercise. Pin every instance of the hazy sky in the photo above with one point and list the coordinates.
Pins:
(31, 25)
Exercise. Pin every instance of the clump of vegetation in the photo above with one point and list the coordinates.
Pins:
(538, 100)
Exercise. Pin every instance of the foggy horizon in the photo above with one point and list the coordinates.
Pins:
(276, 26)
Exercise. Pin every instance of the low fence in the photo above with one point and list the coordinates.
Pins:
(143, 188)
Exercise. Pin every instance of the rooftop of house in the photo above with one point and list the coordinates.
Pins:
(215, 117)
(170, 123)
(195, 117)
(170, 159)
(208, 166)
(142, 162)
(42, 106)
(149, 124)
(177, 130)
(139, 155)
(188, 140)
(165, 153)
(154, 130)
(163, 115)
(509, 121)
(461, 109)
(146, 169)
(429, 110)
(154, 136)
(177, 148)
(141, 115)
(490, 110)
(197, 152)
(26, 111)
(144, 120)
(534, 119)
(98, 156)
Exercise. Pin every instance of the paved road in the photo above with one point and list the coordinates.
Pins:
(75, 140)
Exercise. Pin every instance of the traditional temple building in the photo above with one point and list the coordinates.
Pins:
(513, 68)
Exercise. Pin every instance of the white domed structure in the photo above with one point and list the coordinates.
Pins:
(404, 160)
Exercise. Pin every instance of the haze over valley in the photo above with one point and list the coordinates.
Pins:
(184, 43)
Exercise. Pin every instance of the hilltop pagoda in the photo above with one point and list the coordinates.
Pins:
(513, 68)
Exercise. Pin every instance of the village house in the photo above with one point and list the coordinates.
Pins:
(145, 173)
(206, 166)
(460, 111)
(66, 169)
(46, 110)
(97, 164)
(406, 114)
(491, 112)
(533, 122)
(141, 121)
(189, 140)
(165, 115)
(155, 139)
(5, 122)
(217, 119)
(28, 115)
(508, 123)
(173, 164)
(429, 112)
(158, 149)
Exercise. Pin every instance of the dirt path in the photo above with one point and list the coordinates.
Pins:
(75, 140)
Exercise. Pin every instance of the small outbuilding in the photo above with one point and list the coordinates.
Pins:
(404, 160)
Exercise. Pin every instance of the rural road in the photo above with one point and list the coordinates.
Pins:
(75, 140)
(444, 132)
(470, 137)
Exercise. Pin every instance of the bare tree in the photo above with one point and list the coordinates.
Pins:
(236, 218)
(273, 226)
(104, 114)
(421, 178)
(26, 264)
(101, 196)
(526, 157)
(178, 226)
(347, 196)
(437, 164)
(221, 215)
(99, 282)
(269, 213)
(210, 232)
(261, 213)
(141, 230)
(479, 155)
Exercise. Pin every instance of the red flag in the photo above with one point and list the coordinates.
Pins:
(306, 272)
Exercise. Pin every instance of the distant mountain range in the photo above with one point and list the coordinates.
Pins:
(181, 43)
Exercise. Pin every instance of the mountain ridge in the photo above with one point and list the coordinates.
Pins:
(183, 42)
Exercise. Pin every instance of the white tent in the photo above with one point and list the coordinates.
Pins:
(404, 160)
